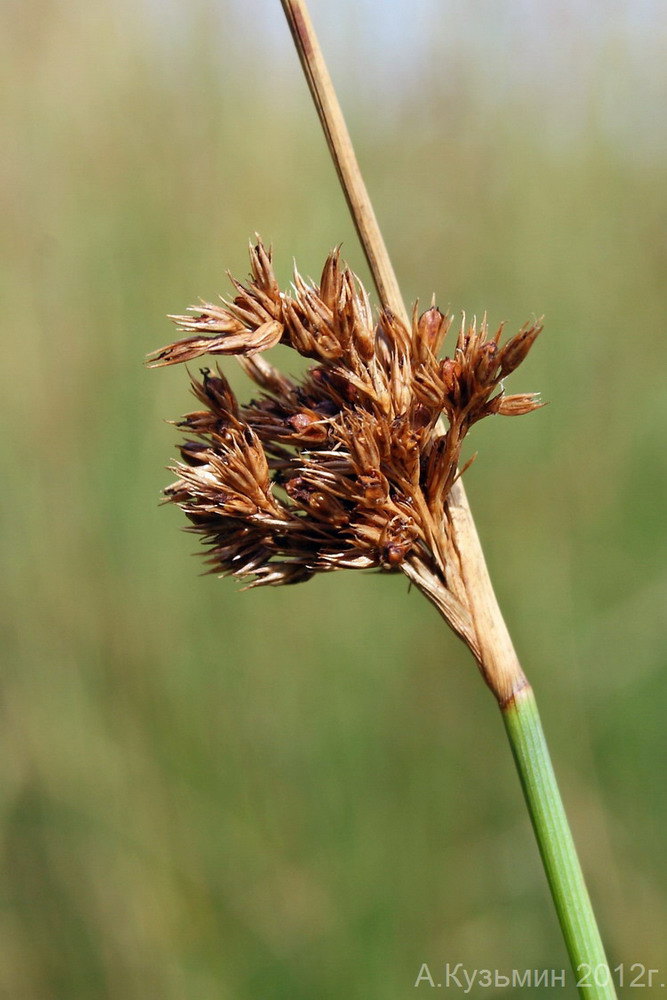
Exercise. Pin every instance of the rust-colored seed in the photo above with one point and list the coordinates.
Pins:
(432, 326)
(450, 373)
(394, 554)
(301, 420)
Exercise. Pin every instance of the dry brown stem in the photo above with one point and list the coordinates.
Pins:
(343, 155)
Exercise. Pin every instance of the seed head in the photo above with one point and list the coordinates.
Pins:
(350, 467)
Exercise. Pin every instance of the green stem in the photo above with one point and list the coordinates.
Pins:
(566, 881)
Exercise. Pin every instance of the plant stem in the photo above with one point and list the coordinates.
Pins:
(491, 643)
(343, 155)
(566, 881)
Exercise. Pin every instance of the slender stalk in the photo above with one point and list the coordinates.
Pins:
(492, 645)
(559, 856)
(343, 156)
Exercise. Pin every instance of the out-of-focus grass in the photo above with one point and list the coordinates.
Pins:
(305, 792)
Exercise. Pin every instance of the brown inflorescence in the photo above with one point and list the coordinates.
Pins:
(351, 467)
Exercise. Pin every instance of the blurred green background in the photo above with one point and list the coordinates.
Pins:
(306, 792)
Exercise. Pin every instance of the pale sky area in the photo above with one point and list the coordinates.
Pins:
(565, 53)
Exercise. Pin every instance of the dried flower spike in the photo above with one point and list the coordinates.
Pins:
(351, 467)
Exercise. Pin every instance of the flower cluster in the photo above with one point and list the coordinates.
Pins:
(351, 466)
